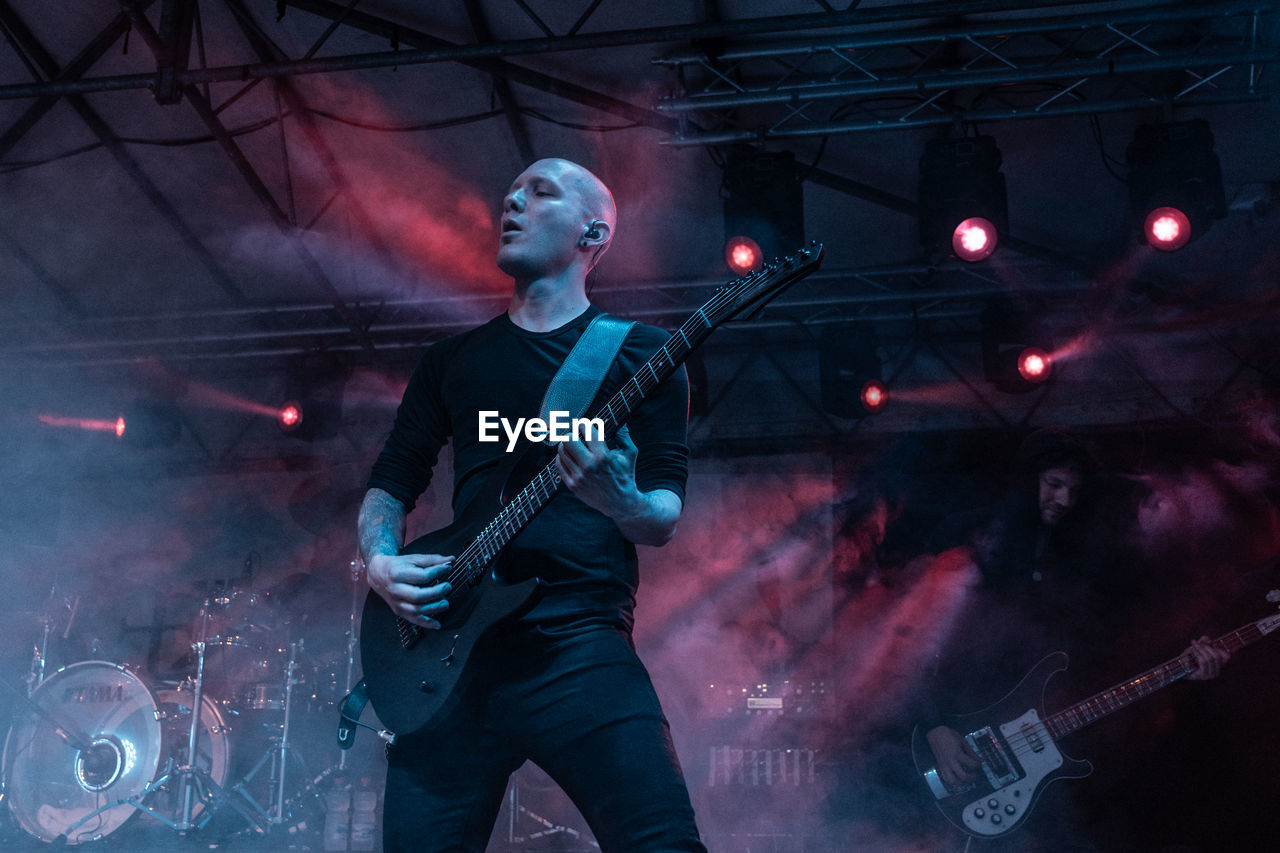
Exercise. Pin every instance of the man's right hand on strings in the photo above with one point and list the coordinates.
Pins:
(956, 763)
(413, 585)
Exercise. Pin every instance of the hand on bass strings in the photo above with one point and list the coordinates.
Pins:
(956, 763)
(413, 585)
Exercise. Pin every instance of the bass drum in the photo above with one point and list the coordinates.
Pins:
(82, 792)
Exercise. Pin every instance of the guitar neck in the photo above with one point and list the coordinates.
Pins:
(534, 496)
(1127, 692)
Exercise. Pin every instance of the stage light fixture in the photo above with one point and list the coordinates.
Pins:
(313, 398)
(875, 396)
(289, 417)
(849, 380)
(763, 205)
(963, 206)
(1015, 347)
(1175, 182)
(1034, 364)
(974, 239)
(743, 255)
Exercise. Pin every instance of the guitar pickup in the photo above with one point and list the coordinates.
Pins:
(998, 764)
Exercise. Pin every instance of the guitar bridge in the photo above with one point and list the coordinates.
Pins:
(997, 762)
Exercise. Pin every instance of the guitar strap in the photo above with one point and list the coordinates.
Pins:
(571, 390)
(583, 371)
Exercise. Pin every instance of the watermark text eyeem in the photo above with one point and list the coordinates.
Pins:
(558, 427)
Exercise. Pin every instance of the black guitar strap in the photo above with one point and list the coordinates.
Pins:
(583, 371)
(571, 390)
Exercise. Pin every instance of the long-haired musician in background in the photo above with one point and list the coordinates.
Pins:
(562, 685)
(1055, 574)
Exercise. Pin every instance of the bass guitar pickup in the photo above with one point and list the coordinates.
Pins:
(998, 764)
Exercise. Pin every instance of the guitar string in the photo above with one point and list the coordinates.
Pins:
(1075, 717)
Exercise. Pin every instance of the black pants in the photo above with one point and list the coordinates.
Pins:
(583, 709)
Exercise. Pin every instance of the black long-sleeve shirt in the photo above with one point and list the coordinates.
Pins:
(588, 566)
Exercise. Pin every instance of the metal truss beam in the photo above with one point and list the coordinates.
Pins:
(449, 53)
(502, 87)
(497, 67)
(49, 67)
(279, 218)
(992, 69)
(908, 293)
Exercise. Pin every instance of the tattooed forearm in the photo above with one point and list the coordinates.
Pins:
(381, 524)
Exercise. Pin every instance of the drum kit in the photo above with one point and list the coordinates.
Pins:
(96, 743)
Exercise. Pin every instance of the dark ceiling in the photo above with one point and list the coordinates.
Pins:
(201, 194)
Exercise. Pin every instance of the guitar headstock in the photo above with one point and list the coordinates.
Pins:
(745, 296)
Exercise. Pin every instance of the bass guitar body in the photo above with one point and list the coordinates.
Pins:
(1018, 758)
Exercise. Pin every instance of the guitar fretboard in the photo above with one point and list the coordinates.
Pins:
(1126, 693)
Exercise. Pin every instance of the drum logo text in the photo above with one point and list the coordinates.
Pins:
(94, 693)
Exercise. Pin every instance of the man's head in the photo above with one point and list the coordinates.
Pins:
(1059, 491)
(555, 215)
(1061, 463)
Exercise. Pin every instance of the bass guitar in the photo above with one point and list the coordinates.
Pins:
(1016, 742)
(411, 673)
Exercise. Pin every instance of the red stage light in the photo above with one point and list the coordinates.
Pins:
(743, 255)
(1167, 228)
(974, 239)
(1034, 364)
(874, 396)
(289, 417)
(120, 427)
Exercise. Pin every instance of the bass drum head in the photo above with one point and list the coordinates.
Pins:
(57, 789)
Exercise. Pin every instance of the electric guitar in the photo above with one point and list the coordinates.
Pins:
(1017, 743)
(411, 672)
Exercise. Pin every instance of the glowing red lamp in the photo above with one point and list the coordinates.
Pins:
(289, 417)
(1167, 229)
(874, 396)
(1034, 364)
(743, 255)
(974, 239)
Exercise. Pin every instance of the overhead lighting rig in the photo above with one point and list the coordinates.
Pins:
(961, 195)
(1175, 183)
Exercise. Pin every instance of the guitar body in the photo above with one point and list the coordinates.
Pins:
(1019, 759)
(411, 685)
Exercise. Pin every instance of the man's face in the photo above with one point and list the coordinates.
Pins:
(1059, 491)
(543, 218)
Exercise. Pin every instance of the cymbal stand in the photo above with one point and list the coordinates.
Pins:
(278, 754)
(40, 653)
(194, 780)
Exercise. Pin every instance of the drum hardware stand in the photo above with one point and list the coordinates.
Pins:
(193, 780)
(277, 754)
(353, 644)
(40, 653)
